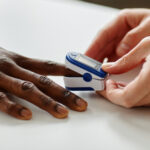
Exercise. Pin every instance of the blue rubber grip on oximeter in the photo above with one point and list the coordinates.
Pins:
(99, 73)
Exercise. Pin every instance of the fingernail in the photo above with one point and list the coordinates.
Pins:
(123, 48)
(61, 109)
(81, 103)
(107, 65)
(25, 113)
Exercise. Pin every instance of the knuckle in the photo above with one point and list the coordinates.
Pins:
(148, 20)
(125, 12)
(6, 62)
(26, 85)
(2, 95)
(146, 40)
(16, 57)
(45, 101)
(45, 80)
(131, 36)
(123, 61)
(50, 66)
(50, 63)
(66, 93)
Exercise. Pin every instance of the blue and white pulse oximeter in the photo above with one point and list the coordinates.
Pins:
(92, 76)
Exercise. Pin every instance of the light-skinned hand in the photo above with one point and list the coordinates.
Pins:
(126, 43)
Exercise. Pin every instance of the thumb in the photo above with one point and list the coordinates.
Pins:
(129, 61)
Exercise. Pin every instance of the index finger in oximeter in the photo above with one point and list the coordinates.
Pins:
(92, 75)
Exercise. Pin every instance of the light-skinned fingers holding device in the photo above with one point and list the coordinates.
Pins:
(128, 36)
(137, 92)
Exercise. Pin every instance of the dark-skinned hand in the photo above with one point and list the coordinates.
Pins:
(26, 78)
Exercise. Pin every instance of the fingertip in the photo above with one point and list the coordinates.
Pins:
(78, 104)
(107, 66)
(26, 114)
(111, 67)
(81, 105)
(122, 65)
(61, 111)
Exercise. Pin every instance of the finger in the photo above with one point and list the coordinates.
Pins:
(109, 52)
(110, 86)
(28, 91)
(45, 67)
(112, 92)
(133, 93)
(122, 84)
(133, 37)
(117, 96)
(115, 31)
(108, 35)
(49, 87)
(126, 100)
(35, 65)
(14, 109)
(138, 90)
(132, 59)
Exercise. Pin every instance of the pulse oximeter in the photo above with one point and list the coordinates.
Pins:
(92, 76)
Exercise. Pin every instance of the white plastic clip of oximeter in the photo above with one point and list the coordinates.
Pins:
(92, 76)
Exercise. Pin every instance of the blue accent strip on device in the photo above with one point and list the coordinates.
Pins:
(79, 88)
(101, 73)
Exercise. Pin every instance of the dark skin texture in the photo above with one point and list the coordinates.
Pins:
(27, 78)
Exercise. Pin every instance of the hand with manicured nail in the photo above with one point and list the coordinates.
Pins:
(121, 35)
(126, 43)
(26, 78)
